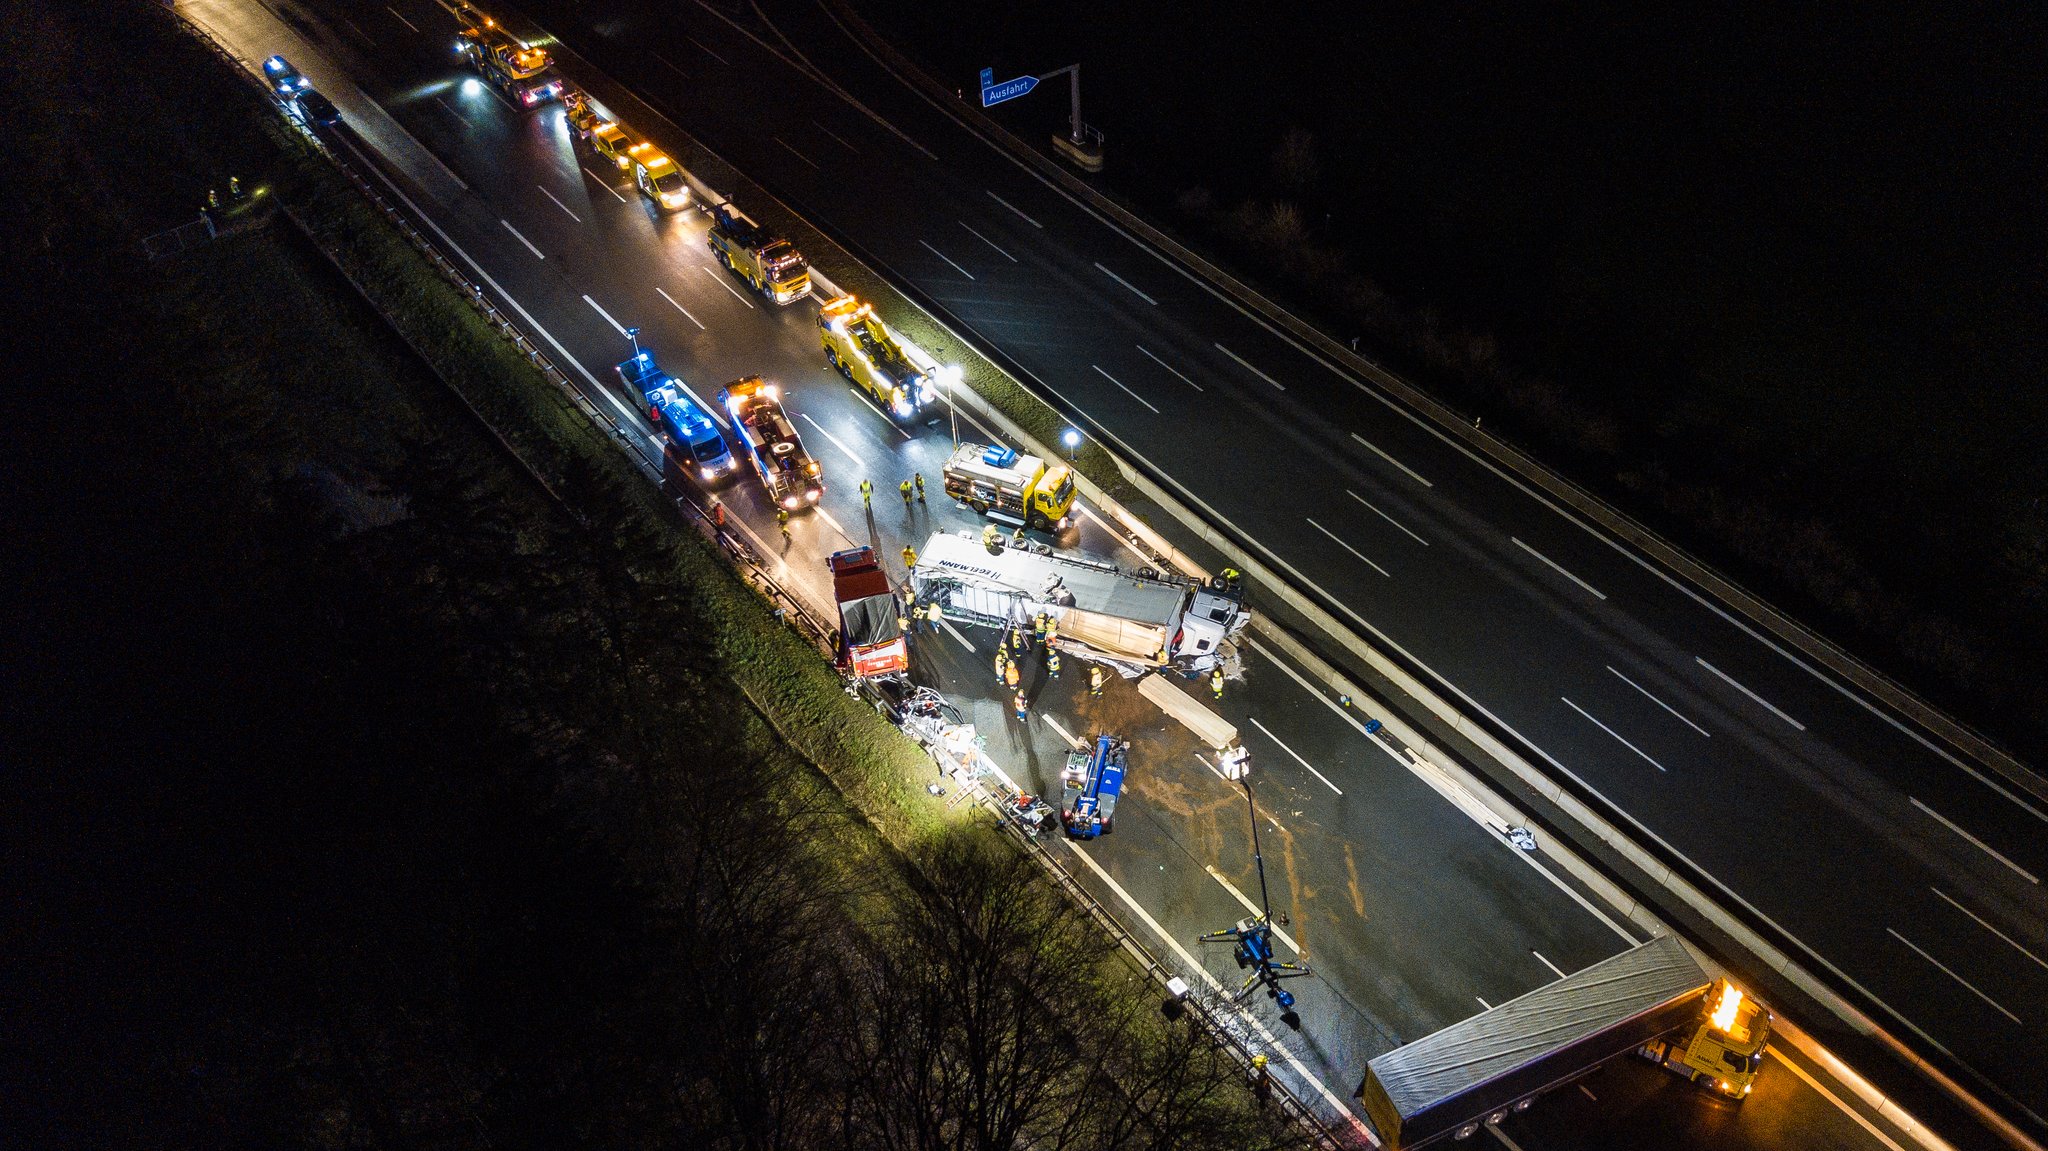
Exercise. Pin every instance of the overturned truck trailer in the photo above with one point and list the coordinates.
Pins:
(1103, 614)
(1446, 1085)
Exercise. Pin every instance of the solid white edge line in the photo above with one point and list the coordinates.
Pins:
(672, 66)
(1254, 908)
(1761, 701)
(1830, 1096)
(1127, 284)
(709, 52)
(632, 417)
(948, 259)
(1483, 1002)
(1248, 366)
(1980, 844)
(797, 154)
(559, 204)
(989, 242)
(1950, 972)
(1169, 367)
(522, 239)
(870, 405)
(403, 20)
(1987, 926)
(835, 136)
(1270, 1039)
(1547, 962)
(811, 72)
(1016, 209)
(711, 272)
(836, 526)
(955, 633)
(1528, 858)
(602, 183)
(1617, 735)
(682, 309)
(1127, 391)
(1390, 519)
(1347, 547)
(1658, 702)
(1559, 568)
(1375, 449)
(836, 442)
(1297, 757)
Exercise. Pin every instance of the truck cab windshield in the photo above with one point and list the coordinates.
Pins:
(669, 184)
(708, 450)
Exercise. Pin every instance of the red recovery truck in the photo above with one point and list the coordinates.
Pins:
(871, 643)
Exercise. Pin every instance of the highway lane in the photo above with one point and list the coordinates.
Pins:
(582, 255)
(1829, 817)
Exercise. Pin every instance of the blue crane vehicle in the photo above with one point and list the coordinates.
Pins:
(1089, 788)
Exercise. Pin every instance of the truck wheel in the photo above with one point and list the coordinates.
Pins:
(1036, 522)
(980, 509)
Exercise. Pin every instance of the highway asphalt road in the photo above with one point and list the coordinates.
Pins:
(1895, 865)
(1414, 917)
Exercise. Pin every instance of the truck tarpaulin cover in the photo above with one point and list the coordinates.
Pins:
(867, 622)
(1429, 1088)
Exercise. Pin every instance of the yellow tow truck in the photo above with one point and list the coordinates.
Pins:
(999, 483)
(766, 261)
(897, 373)
(656, 175)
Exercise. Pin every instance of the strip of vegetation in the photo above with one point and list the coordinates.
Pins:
(451, 810)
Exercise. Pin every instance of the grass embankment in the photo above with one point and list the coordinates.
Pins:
(381, 795)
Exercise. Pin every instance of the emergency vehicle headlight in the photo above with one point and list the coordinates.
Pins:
(790, 501)
(624, 163)
(811, 496)
(902, 405)
(674, 199)
(706, 474)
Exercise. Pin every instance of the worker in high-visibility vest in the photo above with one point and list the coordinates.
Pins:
(904, 487)
(1095, 681)
(902, 623)
(1052, 630)
(934, 615)
(909, 556)
(919, 477)
(1023, 707)
(1052, 663)
(867, 493)
(1010, 675)
(991, 538)
(1038, 627)
(1017, 639)
(1002, 661)
(782, 521)
(1216, 681)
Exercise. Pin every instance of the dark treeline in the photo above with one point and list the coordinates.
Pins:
(362, 795)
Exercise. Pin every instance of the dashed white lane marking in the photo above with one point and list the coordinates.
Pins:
(559, 204)
(1760, 700)
(870, 404)
(1980, 844)
(522, 239)
(1617, 735)
(1168, 367)
(631, 416)
(797, 154)
(1385, 516)
(827, 517)
(1347, 547)
(1528, 858)
(683, 310)
(1064, 733)
(1298, 759)
(671, 65)
(1559, 569)
(1127, 284)
(1494, 1130)
(1247, 365)
(1375, 449)
(1213, 771)
(1127, 391)
(1547, 963)
(607, 316)
(1583, 1090)
(713, 273)
(1659, 702)
(836, 441)
(948, 259)
(1016, 209)
(989, 242)
(1483, 1003)
(1254, 908)
(401, 19)
(835, 137)
(1986, 926)
(709, 52)
(602, 183)
(1950, 972)
(360, 32)
(955, 633)
(1270, 1039)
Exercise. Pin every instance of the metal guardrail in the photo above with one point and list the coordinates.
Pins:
(788, 607)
